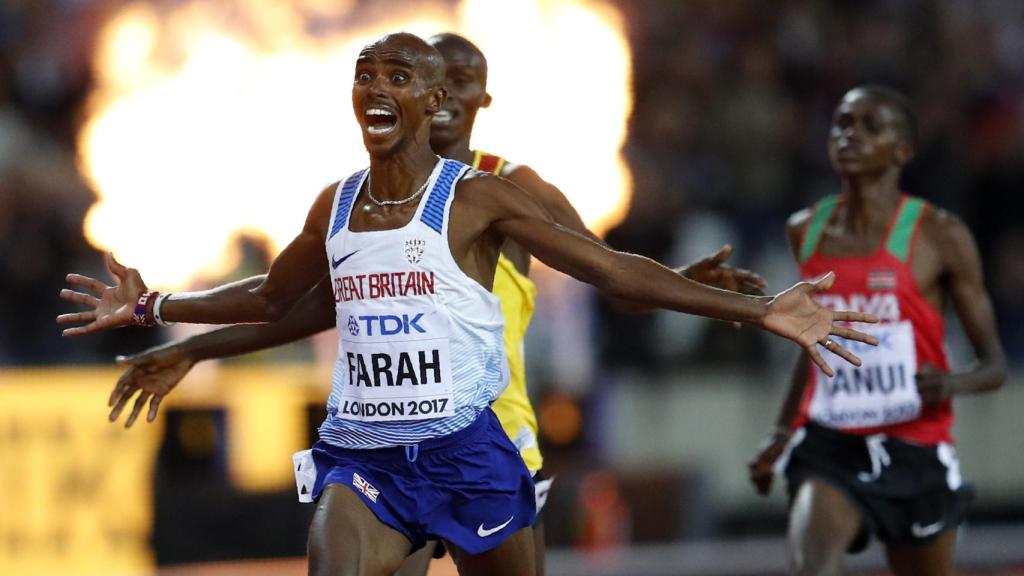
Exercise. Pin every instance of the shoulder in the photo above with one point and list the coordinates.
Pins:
(946, 231)
(528, 179)
(325, 198)
(796, 226)
(477, 186)
(322, 207)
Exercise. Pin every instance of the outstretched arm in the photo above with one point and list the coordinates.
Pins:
(712, 270)
(974, 309)
(155, 372)
(792, 314)
(294, 272)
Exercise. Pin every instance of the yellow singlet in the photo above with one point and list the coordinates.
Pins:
(517, 293)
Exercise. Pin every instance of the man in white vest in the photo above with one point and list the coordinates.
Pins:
(410, 449)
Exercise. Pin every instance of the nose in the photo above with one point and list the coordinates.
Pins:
(377, 85)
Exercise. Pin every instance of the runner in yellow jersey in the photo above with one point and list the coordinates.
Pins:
(157, 371)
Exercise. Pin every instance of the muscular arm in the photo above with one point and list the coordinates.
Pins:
(617, 274)
(706, 271)
(552, 199)
(154, 373)
(293, 273)
(963, 274)
(313, 313)
(494, 208)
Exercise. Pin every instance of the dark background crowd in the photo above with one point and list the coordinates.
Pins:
(732, 104)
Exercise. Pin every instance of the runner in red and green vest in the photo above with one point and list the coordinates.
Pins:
(870, 451)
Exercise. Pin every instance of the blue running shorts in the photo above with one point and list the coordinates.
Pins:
(470, 488)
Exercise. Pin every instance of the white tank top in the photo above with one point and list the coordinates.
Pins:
(420, 350)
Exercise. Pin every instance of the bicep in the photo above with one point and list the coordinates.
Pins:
(520, 217)
(552, 200)
(303, 262)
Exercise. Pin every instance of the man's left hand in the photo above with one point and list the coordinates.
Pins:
(713, 271)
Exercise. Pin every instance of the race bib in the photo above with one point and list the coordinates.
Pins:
(397, 365)
(881, 391)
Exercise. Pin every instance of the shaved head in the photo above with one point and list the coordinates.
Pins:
(426, 59)
(448, 42)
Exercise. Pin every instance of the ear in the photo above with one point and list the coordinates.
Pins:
(437, 99)
(904, 153)
(486, 100)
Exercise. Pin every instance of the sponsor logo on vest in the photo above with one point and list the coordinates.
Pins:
(885, 305)
(383, 285)
(336, 263)
(414, 250)
(387, 325)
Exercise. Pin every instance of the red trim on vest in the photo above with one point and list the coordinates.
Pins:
(489, 163)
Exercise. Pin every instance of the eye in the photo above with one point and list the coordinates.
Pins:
(399, 78)
(362, 77)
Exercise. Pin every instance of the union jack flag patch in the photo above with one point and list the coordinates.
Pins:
(365, 487)
(881, 279)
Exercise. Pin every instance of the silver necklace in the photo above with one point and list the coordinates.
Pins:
(382, 203)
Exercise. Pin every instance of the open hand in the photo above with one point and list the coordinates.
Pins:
(794, 314)
(112, 309)
(153, 374)
(713, 271)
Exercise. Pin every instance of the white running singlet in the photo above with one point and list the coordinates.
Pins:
(420, 350)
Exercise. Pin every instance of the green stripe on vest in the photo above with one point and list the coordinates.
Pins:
(903, 231)
(822, 212)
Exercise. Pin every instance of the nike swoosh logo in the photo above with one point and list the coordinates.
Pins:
(336, 263)
(925, 531)
(485, 532)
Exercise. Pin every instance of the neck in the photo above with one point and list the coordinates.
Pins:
(871, 200)
(400, 175)
(457, 149)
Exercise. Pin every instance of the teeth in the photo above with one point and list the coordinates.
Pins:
(443, 117)
(379, 130)
(378, 112)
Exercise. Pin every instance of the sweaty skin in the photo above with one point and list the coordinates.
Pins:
(869, 144)
(398, 87)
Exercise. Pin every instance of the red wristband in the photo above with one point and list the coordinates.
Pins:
(144, 309)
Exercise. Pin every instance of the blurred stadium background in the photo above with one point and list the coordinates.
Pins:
(189, 137)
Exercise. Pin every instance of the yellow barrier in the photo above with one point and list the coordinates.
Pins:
(76, 491)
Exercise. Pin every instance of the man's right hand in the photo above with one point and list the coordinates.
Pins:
(762, 467)
(153, 374)
(114, 307)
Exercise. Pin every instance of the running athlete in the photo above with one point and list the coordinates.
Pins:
(158, 371)
(870, 451)
(410, 449)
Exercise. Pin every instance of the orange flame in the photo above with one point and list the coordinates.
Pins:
(213, 117)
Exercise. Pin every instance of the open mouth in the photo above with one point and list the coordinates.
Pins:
(380, 121)
(442, 118)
